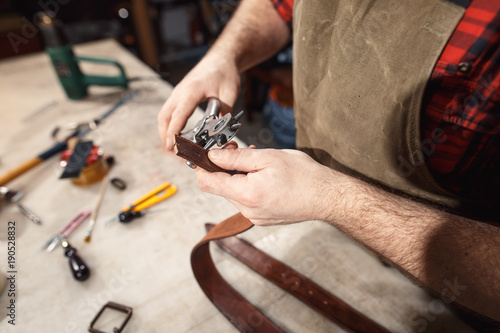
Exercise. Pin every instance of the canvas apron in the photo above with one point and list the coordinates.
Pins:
(360, 71)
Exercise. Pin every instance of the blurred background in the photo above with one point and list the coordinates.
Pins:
(170, 36)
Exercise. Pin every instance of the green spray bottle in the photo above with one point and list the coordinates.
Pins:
(74, 82)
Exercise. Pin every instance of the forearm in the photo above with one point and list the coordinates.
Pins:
(457, 258)
(438, 249)
(255, 33)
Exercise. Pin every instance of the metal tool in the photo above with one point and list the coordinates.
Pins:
(74, 82)
(65, 231)
(213, 129)
(137, 208)
(76, 159)
(115, 306)
(8, 195)
(29, 214)
(93, 217)
(62, 145)
(78, 267)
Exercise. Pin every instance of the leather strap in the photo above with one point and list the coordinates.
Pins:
(230, 303)
(195, 154)
(238, 310)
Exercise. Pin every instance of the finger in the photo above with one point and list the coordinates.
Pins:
(241, 159)
(231, 145)
(221, 184)
(164, 118)
(227, 98)
(179, 117)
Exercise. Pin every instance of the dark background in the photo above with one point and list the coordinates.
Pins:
(170, 36)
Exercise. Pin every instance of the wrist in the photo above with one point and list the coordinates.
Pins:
(224, 53)
(336, 194)
(221, 61)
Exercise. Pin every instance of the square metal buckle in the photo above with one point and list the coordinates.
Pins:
(114, 306)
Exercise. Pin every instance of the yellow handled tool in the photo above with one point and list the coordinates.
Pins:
(160, 193)
(135, 210)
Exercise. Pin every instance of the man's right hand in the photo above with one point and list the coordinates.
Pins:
(214, 76)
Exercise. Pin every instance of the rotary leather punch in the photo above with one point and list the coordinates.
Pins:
(213, 129)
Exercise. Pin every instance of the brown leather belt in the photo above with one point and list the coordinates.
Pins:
(240, 312)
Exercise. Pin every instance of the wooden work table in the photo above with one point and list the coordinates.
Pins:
(146, 264)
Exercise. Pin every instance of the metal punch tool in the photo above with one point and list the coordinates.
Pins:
(213, 129)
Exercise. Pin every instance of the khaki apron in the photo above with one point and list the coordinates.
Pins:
(360, 71)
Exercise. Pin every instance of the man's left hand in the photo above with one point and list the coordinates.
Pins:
(280, 187)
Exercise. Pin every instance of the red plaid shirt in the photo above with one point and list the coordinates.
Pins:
(461, 109)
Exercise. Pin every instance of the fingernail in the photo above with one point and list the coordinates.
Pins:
(215, 154)
(167, 144)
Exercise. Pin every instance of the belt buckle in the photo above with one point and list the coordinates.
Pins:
(114, 306)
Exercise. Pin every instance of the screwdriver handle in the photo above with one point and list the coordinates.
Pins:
(70, 227)
(128, 216)
(78, 267)
(155, 198)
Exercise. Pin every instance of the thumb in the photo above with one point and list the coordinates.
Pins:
(240, 159)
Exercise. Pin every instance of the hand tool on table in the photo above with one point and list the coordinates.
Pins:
(8, 195)
(74, 82)
(60, 146)
(65, 231)
(212, 129)
(137, 208)
(78, 267)
(85, 163)
(93, 217)
(29, 214)
(73, 160)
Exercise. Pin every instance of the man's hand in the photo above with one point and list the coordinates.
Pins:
(255, 33)
(212, 77)
(282, 186)
(437, 249)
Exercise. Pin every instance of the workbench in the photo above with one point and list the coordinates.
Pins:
(146, 264)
